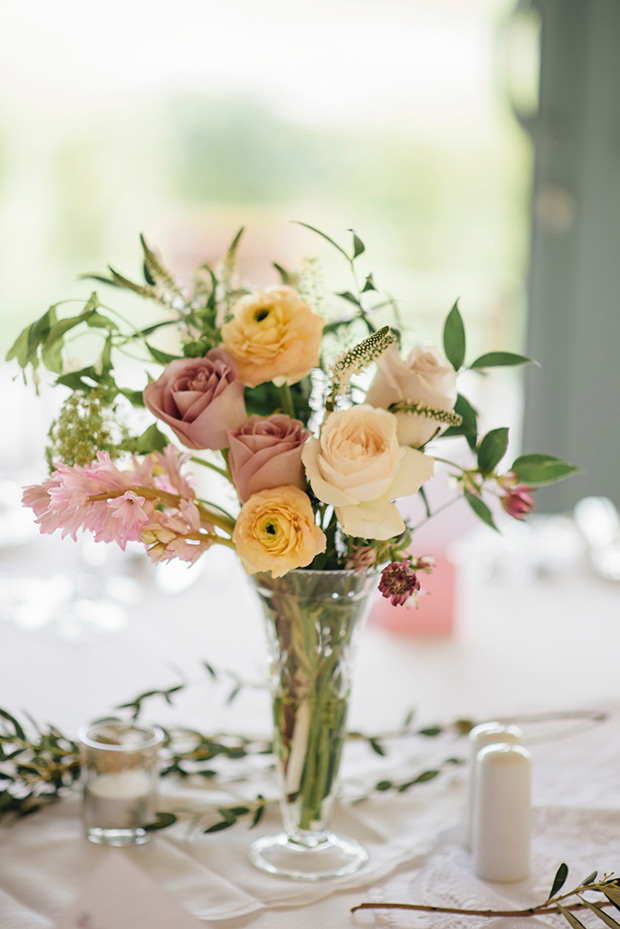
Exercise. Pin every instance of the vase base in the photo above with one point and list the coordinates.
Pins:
(334, 856)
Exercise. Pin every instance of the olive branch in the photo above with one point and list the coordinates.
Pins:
(608, 886)
(39, 765)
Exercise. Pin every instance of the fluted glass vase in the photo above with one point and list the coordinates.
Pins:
(312, 620)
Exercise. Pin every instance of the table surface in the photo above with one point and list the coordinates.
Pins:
(521, 643)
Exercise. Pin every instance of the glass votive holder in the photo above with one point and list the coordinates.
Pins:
(119, 770)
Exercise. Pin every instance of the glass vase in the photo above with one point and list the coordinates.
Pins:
(312, 619)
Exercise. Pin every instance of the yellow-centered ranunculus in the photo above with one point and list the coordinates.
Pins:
(276, 532)
(274, 336)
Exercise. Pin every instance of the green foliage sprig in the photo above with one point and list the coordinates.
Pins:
(39, 764)
(607, 887)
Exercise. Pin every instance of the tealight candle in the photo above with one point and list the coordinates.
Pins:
(501, 820)
(479, 737)
(120, 777)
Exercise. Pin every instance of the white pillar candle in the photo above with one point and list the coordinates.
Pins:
(119, 800)
(501, 820)
(479, 737)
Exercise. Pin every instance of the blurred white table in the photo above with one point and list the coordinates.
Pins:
(519, 645)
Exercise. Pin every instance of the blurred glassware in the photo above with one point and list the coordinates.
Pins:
(598, 520)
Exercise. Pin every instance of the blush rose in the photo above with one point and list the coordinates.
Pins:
(424, 378)
(266, 452)
(274, 336)
(276, 532)
(358, 466)
(199, 398)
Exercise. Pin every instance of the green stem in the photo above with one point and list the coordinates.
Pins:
(207, 464)
(452, 464)
(444, 506)
(287, 400)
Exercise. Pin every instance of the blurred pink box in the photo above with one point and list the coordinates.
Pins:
(435, 614)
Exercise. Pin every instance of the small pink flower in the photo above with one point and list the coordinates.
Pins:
(129, 509)
(399, 582)
(518, 501)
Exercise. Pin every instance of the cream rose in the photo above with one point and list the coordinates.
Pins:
(274, 336)
(359, 467)
(425, 378)
(276, 532)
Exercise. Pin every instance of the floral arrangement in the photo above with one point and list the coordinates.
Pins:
(274, 396)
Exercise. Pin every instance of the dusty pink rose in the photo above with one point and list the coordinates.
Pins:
(265, 453)
(199, 398)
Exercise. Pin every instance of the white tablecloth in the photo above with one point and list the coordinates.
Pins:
(517, 647)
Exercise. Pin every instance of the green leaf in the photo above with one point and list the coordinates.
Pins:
(209, 669)
(218, 827)
(258, 815)
(98, 321)
(383, 785)
(323, 236)
(162, 821)
(287, 278)
(151, 440)
(377, 747)
(559, 880)
(481, 510)
(612, 892)
(134, 396)
(163, 358)
(234, 245)
(454, 338)
(19, 732)
(238, 810)
(542, 469)
(369, 284)
(358, 245)
(19, 348)
(100, 279)
(602, 915)
(430, 731)
(469, 426)
(570, 919)
(351, 298)
(589, 879)
(492, 449)
(148, 277)
(500, 360)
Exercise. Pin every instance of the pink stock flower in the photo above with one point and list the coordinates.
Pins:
(171, 461)
(265, 452)
(177, 535)
(518, 501)
(129, 509)
(68, 499)
(199, 398)
(399, 582)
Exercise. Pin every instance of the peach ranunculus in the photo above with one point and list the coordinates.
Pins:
(424, 378)
(199, 398)
(266, 452)
(276, 531)
(274, 336)
(358, 466)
